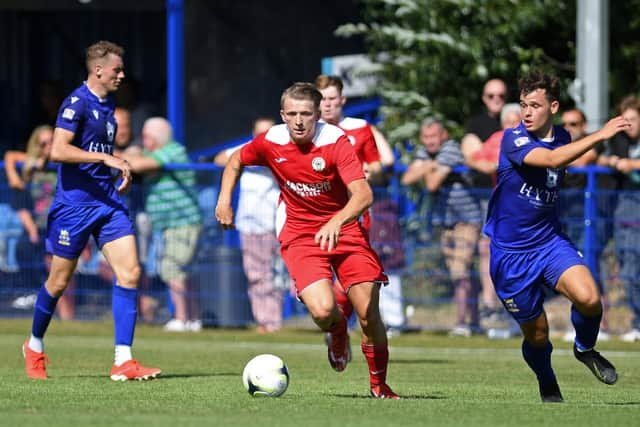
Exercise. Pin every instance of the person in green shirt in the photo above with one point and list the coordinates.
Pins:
(172, 206)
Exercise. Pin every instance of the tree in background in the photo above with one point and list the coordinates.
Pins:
(624, 57)
(433, 56)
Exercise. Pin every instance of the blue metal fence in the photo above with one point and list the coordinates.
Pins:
(411, 249)
(217, 269)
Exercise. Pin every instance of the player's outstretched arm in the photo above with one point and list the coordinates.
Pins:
(566, 154)
(361, 199)
(230, 176)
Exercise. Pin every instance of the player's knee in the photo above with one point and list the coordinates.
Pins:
(323, 312)
(537, 338)
(536, 333)
(56, 287)
(590, 304)
(370, 320)
(130, 277)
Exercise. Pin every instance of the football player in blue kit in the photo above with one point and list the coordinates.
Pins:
(528, 248)
(86, 204)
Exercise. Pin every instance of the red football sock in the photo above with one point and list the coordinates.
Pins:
(338, 337)
(342, 300)
(339, 328)
(377, 358)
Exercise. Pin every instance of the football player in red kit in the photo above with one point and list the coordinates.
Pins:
(323, 193)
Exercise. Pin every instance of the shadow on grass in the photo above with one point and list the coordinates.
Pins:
(163, 376)
(198, 375)
(623, 403)
(419, 361)
(403, 396)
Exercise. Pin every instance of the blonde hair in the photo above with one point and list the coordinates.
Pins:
(302, 91)
(34, 151)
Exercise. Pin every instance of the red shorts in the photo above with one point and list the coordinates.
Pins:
(353, 262)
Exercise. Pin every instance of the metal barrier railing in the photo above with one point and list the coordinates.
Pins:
(218, 272)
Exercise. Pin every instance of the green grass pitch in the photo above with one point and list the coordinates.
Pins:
(444, 382)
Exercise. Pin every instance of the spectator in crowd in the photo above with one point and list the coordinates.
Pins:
(87, 203)
(173, 208)
(385, 238)
(456, 213)
(485, 160)
(256, 222)
(528, 249)
(125, 145)
(478, 132)
(482, 125)
(128, 97)
(124, 137)
(365, 138)
(624, 156)
(33, 188)
(572, 207)
(323, 193)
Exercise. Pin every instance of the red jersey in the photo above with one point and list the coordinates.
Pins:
(313, 178)
(361, 137)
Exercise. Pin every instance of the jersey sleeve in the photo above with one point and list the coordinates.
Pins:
(253, 152)
(370, 151)
(347, 162)
(516, 146)
(71, 113)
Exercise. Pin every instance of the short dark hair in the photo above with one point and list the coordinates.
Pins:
(302, 90)
(100, 50)
(538, 79)
(323, 81)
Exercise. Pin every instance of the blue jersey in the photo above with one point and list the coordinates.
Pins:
(91, 120)
(522, 211)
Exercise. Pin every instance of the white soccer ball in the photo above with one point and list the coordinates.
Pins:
(265, 375)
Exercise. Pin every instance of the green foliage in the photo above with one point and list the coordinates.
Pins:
(437, 54)
(624, 58)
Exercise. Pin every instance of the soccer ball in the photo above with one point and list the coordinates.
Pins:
(265, 375)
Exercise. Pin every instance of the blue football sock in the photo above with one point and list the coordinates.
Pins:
(539, 360)
(45, 307)
(124, 306)
(587, 329)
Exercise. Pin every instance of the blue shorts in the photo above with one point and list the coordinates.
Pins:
(69, 227)
(520, 276)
